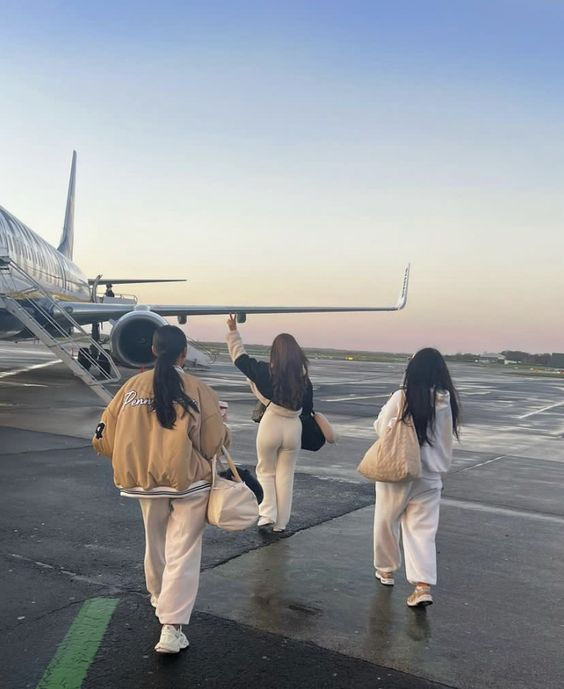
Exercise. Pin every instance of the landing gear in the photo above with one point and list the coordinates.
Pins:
(104, 364)
(102, 360)
(101, 363)
(84, 358)
(87, 356)
(95, 333)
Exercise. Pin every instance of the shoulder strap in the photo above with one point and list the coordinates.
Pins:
(231, 464)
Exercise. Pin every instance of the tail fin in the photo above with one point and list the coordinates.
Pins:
(67, 238)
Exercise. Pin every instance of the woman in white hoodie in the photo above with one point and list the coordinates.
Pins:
(430, 399)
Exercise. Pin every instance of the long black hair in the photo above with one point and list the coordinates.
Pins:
(288, 371)
(425, 376)
(169, 343)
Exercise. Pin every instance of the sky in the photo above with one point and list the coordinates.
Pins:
(302, 153)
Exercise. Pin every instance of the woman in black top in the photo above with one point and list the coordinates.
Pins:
(284, 386)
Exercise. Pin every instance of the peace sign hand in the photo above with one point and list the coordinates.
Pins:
(232, 322)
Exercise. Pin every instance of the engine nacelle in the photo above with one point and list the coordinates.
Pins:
(132, 336)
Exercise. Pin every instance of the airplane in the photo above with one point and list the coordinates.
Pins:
(43, 292)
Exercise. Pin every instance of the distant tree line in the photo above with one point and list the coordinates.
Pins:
(462, 357)
(554, 360)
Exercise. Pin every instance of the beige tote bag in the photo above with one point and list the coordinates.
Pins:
(395, 456)
(232, 504)
(326, 427)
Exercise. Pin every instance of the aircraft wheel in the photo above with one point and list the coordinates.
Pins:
(104, 364)
(84, 358)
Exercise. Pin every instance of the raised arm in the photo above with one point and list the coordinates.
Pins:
(255, 370)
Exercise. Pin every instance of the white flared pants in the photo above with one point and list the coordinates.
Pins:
(173, 550)
(413, 507)
(278, 444)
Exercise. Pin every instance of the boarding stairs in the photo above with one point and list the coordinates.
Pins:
(199, 355)
(54, 326)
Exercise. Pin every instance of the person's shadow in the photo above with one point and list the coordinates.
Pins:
(396, 629)
(418, 625)
(382, 620)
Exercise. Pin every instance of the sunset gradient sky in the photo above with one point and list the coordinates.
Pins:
(303, 153)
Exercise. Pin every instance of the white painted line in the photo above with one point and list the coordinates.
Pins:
(240, 425)
(18, 352)
(361, 382)
(15, 372)
(322, 380)
(481, 464)
(23, 385)
(540, 411)
(224, 381)
(353, 397)
(350, 430)
(509, 511)
(72, 575)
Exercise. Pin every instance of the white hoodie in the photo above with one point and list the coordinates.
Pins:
(437, 457)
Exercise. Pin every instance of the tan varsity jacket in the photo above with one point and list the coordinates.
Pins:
(146, 456)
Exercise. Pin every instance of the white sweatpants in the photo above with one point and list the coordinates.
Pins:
(173, 549)
(278, 444)
(414, 506)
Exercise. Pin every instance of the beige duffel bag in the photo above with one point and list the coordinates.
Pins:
(395, 456)
(232, 504)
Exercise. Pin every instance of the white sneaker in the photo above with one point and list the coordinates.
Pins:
(386, 578)
(172, 640)
(278, 529)
(154, 600)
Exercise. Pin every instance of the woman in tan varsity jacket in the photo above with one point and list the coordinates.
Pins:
(161, 430)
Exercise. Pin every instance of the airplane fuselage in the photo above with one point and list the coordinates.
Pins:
(56, 274)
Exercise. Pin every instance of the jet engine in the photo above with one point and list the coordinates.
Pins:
(132, 336)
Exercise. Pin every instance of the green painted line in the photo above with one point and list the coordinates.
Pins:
(76, 651)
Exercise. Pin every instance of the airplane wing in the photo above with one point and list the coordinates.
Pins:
(89, 312)
(127, 281)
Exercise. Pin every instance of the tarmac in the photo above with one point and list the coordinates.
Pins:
(302, 609)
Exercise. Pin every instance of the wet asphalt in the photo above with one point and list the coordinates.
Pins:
(301, 610)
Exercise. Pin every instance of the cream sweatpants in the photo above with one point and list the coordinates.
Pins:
(278, 444)
(415, 507)
(173, 549)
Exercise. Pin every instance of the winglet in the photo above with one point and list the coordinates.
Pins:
(67, 238)
(402, 301)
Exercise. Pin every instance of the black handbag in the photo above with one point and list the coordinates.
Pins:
(258, 411)
(312, 437)
(248, 478)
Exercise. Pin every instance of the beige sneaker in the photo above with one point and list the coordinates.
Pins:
(386, 578)
(420, 597)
